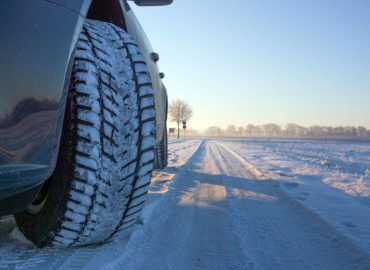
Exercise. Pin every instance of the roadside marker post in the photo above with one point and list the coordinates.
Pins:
(184, 127)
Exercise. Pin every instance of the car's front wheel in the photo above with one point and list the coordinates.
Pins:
(107, 149)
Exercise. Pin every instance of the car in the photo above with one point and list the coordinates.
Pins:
(82, 118)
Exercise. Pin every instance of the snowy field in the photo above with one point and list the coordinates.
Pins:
(230, 204)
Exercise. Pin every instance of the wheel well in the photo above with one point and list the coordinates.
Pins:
(107, 11)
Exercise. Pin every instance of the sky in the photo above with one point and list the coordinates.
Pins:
(265, 61)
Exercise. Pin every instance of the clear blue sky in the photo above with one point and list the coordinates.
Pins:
(240, 61)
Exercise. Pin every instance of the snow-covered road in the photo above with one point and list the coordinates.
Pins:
(217, 206)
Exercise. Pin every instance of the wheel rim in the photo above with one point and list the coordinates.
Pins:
(36, 206)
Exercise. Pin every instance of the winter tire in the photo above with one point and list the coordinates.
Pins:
(106, 154)
(161, 153)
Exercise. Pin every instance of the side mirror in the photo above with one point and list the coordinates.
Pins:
(152, 2)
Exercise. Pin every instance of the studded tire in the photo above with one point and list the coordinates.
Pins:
(107, 148)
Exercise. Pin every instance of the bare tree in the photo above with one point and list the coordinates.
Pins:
(249, 130)
(231, 130)
(214, 131)
(294, 130)
(361, 131)
(272, 129)
(179, 111)
(241, 131)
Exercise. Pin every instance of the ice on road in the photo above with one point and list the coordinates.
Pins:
(214, 207)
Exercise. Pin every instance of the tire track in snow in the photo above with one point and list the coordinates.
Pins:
(253, 170)
(297, 203)
(218, 216)
(16, 253)
(266, 234)
(180, 151)
(215, 215)
(141, 245)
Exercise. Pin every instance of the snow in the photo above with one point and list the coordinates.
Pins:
(234, 205)
(331, 179)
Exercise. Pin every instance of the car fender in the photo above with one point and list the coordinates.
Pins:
(36, 49)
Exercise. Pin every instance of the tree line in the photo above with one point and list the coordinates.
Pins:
(290, 130)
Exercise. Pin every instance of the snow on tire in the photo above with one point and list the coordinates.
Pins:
(107, 150)
(161, 152)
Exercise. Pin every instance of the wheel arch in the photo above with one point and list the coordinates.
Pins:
(40, 47)
(108, 11)
(111, 11)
